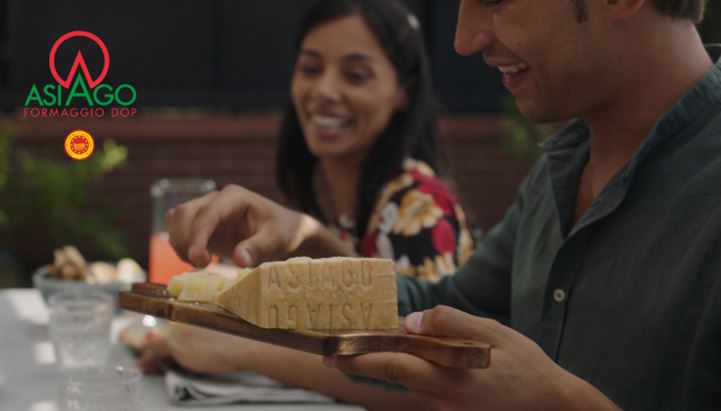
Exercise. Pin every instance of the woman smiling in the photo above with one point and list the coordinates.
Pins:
(363, 115)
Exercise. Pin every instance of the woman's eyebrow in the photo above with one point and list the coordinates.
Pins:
(347, 57)
(311, 53)
(357, 57)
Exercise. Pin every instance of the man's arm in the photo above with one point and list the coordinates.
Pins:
(238, 223)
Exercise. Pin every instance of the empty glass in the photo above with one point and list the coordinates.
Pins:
(80, 327)
(101, 389)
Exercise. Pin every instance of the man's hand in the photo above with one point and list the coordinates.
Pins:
(239, 223)
(521, 376)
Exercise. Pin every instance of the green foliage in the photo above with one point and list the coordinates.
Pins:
(48, 202)
(4, 173)
(522, 136)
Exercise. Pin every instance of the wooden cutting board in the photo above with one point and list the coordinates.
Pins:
(152, 299)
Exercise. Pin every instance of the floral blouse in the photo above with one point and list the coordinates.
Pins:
(418, 223)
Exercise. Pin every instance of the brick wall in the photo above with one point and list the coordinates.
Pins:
(240, 149)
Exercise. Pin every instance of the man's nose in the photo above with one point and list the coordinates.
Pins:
(474, 28)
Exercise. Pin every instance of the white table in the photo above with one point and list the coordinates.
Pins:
(31, 377)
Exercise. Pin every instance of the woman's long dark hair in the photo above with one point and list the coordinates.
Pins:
(411, 133)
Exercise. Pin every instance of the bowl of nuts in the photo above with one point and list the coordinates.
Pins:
(69, 271)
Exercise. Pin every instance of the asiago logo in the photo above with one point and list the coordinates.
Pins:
(79, 93)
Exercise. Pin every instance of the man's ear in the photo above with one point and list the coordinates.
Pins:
(621, 9)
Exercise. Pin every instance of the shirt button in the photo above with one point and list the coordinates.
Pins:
(559, 295)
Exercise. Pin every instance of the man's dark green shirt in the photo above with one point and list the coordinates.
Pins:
(629, 298)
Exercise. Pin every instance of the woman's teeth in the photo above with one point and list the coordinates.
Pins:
(514, 68)
(329, 122)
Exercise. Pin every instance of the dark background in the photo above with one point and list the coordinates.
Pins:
(223, 54)
(220, 54)
(211, 76)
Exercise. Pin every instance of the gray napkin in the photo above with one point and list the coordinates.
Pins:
(184, 388)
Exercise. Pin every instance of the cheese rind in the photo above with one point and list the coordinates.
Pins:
(336, 293)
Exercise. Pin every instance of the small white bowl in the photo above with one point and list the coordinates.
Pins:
(49, 285)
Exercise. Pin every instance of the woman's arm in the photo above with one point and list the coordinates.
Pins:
(306, 370)
(211, 352)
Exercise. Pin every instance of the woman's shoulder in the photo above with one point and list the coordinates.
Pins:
(418, 223)
(416, 174)
(415, 193)
(417, 181)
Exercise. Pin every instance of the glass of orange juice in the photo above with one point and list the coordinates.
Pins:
(164, 263)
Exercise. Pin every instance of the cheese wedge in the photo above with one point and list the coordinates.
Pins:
(339, 293)
(201, 286)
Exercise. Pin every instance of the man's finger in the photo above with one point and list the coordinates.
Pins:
(178, 221)
(260, 247)
(172, 224)
(449, 322)
(398, 368)
(207, 220)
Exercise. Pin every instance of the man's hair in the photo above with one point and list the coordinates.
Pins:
(676, 9)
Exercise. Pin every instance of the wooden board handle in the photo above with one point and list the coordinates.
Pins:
(442, 351)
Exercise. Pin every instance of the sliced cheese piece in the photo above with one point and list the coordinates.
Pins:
(338, 293)
(202, 286)
(177, 283)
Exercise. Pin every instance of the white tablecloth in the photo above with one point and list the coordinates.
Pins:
(28, 362)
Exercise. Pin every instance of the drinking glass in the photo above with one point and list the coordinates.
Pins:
(101, 389)
(80, 327)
